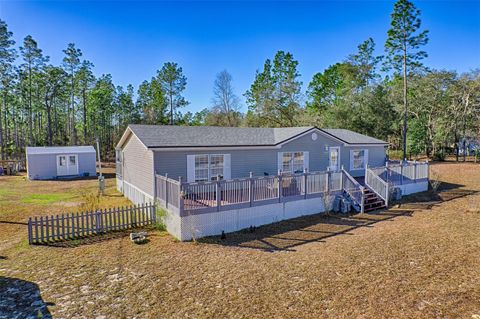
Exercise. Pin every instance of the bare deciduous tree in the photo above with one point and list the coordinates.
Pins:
(226, 103)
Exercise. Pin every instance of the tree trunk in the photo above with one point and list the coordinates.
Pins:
(1, 127)
(84, 94)
(30, 111)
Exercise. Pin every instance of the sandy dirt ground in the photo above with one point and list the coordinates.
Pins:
(419, 259)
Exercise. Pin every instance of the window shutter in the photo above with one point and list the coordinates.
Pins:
(190, 168)
(279, 161)
(227, 168)
(306, 160)
(365, 159)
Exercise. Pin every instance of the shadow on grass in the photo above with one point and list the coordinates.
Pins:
(22, 299)
(13, 223)
(93, 239)
(426, 200)
(288, 234)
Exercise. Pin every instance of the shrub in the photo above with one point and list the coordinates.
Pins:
(439, 156)
(91, 202)
(160, 214)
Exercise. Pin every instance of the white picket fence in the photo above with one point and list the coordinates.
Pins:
(71, 226)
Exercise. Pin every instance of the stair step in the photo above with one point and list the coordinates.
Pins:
(372, 200)
(377, 203)
(371, 209)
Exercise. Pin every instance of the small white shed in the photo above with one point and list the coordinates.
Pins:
(60, 161)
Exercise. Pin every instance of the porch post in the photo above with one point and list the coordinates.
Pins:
(280, 186)
(180, 195)
(327, 183)
(305, 176)
(166, 190)
(415, 171)
(386, 171)
(218, 192)
(341, 177)
(250, 189)
(401, 173)
(362, 201)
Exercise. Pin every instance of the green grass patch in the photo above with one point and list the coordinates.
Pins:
(5, 192)
(46, 199)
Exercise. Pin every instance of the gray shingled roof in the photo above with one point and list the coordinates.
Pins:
(351, 137)
(154, 136)
(196, 136)
(59, 149)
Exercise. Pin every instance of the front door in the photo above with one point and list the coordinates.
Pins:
(334, 158)
(67, 165)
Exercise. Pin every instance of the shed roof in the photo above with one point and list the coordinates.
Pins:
(168, 136)
(60, 150)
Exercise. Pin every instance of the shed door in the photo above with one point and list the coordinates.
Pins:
(67, 165)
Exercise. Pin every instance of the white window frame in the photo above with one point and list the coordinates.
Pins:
(339, 158)
(192, 170)
(365, 159)
(292, 161)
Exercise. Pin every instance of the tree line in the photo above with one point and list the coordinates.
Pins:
(382, 96)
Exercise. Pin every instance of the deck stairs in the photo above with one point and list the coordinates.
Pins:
(372, 201)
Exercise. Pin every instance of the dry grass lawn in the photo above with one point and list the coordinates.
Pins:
(418, 260)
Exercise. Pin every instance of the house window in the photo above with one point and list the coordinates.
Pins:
(208, 167)
(358, 159)
(293, 162)
(201, 168)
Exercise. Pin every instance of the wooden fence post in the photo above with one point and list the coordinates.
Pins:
(30, 239)
(41, 229)
(47, 233)
(250, 189)
(97, 225)
(218, 191)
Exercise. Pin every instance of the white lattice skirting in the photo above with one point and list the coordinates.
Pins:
(209, 224)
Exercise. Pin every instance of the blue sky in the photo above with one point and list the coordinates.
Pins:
(131, 40)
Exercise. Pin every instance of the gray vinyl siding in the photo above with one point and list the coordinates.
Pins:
(260, 161)
(376, 157)
(257, 161)
(138, 165)
(44, 166)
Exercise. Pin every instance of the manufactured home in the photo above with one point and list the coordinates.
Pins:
(253, 175)
(60, 162)
(202, 153)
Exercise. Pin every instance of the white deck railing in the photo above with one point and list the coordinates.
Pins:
(351, 186)
(403, 173)
(244, 192)
(376, 184)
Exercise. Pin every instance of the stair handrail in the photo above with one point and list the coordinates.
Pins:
(375, 179)
(361, 202)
